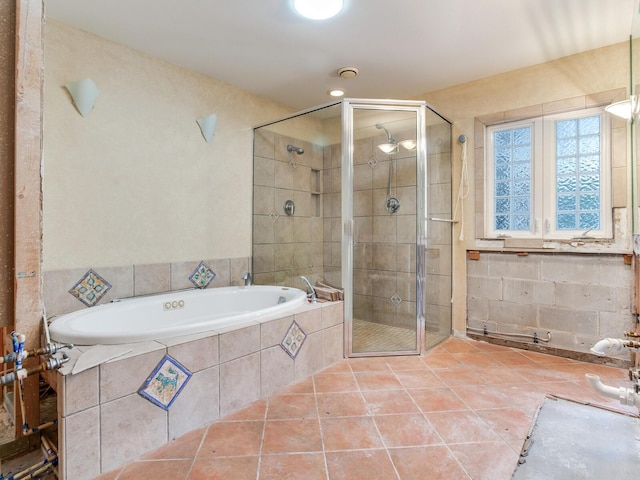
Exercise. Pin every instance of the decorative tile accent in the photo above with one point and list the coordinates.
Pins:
(293, 340)
(202, 275)
(395, 299)
(373, 162)
(165, 383)
(293, 163)
(274, 216)
(90, 288)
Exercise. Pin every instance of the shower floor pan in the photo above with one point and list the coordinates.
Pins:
(572, 440)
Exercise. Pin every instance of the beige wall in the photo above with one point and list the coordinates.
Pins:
(134, 182)
(525, 90)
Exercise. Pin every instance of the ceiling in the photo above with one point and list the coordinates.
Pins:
(402, 48)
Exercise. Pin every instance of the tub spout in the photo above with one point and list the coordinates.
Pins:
(312, 293)
(601, 347)
(626, 396)
(246, 276)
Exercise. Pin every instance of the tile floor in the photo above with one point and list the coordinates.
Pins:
(460, 412)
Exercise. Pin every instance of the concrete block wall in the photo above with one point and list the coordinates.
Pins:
(579, 298)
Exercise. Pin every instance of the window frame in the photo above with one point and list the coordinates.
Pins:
(543, 178)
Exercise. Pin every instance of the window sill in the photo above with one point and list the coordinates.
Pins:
(587, 245)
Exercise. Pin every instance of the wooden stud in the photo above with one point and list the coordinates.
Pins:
(28, 190)
(473, 254)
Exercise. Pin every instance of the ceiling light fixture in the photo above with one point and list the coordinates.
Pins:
(336, 92)
(409, 144)
(318, 9)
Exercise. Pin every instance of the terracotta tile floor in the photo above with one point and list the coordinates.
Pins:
(461, 411)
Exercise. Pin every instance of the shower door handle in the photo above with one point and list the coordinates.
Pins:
(437, 219)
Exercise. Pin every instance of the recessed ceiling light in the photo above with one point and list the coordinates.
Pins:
(336, 92)
(318, 9)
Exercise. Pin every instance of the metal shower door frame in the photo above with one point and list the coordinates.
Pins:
(348, 107)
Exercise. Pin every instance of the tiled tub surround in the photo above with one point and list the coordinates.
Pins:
(104, 422)
(579, 298)
(135, 280)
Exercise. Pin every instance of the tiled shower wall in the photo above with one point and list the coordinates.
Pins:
(285, 247)
(134, 280)
(309, 242)
(385, 244)
(579, 298)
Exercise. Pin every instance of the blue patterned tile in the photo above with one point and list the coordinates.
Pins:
(90, 288)
(165, 383)
(202, 275)
(293, 340)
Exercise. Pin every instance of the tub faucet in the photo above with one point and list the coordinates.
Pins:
(246, 276)
(312, 294)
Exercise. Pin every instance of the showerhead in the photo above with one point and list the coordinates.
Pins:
(382, 127)
(391, 144)
(293, 148)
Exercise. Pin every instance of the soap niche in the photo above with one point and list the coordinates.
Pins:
(316, 190)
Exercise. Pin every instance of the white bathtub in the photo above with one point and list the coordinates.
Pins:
(173, 314)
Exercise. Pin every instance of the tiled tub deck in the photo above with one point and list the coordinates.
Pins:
(104, 422)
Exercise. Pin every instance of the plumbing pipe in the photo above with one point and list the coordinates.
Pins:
(18, 340)
(626, 396)
(534, 337)
(30, 430)
(21, 374)
(50, 349)
(601, 347)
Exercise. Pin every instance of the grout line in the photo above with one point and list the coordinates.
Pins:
(421, 412)
(264, 429)
(384, 445)
(197, 452)
(324, 450)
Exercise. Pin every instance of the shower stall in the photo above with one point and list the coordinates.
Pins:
(357, 195)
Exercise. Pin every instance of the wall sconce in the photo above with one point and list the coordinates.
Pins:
(84, 94)
(627, 109)
(208, 126)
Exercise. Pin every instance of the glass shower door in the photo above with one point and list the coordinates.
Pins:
(384, 206)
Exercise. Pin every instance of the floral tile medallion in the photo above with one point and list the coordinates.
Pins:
(90, 288)
(202, 275)
(293, 340)
(165, 383)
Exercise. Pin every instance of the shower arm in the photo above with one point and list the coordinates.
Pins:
(390, 140)
(389, 137)
(389, 178)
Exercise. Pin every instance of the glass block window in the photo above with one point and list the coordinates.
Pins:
(512, 155)
(578, 174)
(548, 177)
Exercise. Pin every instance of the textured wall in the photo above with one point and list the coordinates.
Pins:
(134, 182)
(7, 112)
